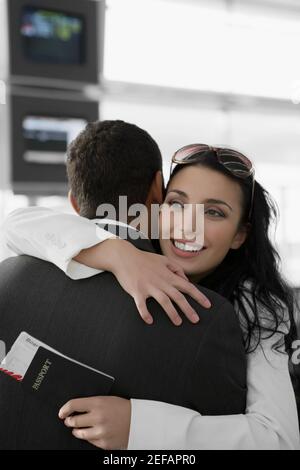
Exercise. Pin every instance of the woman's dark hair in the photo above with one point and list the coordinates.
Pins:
(250, 277)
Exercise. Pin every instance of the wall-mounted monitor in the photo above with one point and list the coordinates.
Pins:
(40, 131)
(46, 138)
(56, 42)
(52, 37)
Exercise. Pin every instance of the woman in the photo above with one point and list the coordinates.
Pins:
(238, 261)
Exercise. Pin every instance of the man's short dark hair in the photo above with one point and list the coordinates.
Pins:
(109, 159)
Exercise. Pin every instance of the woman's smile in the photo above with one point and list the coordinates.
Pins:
(185, 249)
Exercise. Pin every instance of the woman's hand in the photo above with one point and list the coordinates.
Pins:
(143, 275)
(103, 422)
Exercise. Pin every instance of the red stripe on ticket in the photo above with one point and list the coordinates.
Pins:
(13, 375)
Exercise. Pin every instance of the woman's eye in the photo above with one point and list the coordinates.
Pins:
(214, 213)
(176, 205)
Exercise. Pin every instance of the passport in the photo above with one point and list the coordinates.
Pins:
(50, 376)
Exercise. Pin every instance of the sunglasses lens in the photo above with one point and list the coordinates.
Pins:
(236, 163)
(189, 152)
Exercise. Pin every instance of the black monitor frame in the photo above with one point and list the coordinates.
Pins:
(46, 179)
(27, 70)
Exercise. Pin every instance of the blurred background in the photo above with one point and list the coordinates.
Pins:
(218, 72)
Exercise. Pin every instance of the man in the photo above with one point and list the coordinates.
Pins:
(200, 366)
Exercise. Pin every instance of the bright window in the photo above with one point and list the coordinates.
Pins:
(204, 45)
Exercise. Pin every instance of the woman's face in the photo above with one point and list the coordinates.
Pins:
(222, 200)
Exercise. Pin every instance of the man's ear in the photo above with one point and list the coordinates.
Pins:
(240, 237)
(156, 191)
(73, 202)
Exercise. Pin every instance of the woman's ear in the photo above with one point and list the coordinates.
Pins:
(240, 237)
(73, 202)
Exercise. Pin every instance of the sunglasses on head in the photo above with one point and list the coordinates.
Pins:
(234, 162)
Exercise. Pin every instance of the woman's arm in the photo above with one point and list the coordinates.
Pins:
(270, 421)
(81, 249)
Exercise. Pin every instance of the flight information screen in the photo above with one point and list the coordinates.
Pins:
(47, 138)
(52, 37)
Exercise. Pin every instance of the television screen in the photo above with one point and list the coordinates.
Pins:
(52, 37)
(46, 138)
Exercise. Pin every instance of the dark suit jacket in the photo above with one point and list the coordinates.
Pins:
(95, 321)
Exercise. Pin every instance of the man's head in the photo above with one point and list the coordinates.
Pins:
(113, 158)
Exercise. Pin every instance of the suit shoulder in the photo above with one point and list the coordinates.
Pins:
(217, 300)
(21, 262)
(24, 268)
